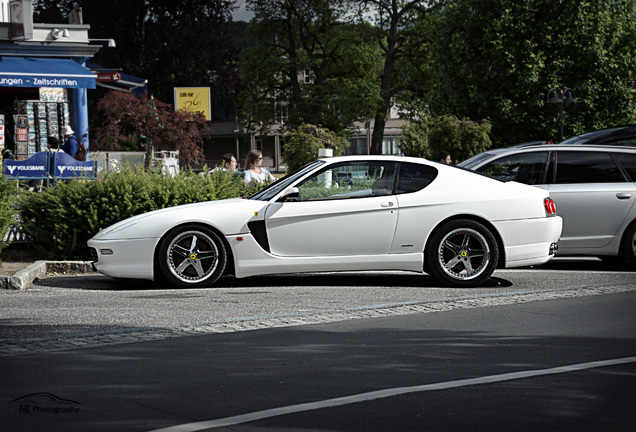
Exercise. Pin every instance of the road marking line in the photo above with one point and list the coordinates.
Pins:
(380, 394)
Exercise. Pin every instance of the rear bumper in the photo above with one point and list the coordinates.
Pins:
(530, 241)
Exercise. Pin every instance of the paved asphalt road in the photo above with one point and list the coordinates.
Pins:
(89, 353)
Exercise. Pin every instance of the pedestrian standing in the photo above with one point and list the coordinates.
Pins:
(254, 172)
(70, 144)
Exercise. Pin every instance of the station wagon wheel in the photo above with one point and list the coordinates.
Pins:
(629, 245)
(462, 253)
(192, 256)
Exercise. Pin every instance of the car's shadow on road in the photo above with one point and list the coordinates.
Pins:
(348, 279)
(334, 279)
(586, 264)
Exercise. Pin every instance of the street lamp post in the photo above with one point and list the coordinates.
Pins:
(561, 96)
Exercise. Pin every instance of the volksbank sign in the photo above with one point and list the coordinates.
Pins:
(44, 72)
(39, 165)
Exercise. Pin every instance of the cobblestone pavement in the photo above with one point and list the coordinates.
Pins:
(132, 335)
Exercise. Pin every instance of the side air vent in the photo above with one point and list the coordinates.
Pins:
(257, 228)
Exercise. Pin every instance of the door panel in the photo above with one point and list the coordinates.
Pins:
(363, 226)
(345, 209)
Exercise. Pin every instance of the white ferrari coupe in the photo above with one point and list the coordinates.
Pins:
(348, 213)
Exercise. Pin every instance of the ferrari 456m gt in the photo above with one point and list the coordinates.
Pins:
(351, 213)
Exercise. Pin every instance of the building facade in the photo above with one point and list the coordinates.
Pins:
(230, 137)
(43, 78)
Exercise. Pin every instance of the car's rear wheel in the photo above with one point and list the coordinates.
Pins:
(462, 253)
(192, 256)
(629, 245)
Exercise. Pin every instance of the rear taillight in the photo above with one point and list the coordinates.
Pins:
(550, 207)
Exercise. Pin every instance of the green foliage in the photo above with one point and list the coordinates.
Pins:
(192, 35)
(7, 198)
(497, 59)
(308, 63)
(463, 139)
(61, 220)
(302, 145)
(414, 140)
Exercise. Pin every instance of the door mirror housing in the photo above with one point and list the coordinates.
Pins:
(290, 195)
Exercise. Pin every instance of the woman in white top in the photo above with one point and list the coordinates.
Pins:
(254, 172)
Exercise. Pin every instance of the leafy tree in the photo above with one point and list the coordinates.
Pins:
(302, 145)
(414, 139)
(170, 43)
(462, 138)
(497, 59)
(400, 42)
(308, 64)
(130, 123)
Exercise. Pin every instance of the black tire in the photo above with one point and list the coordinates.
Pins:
(462, 253)
(192, 256)
(629, 246)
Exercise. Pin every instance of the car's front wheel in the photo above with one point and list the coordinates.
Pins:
(192, 256)
(462, 253)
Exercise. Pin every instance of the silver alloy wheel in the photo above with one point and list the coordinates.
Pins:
(463, 254)
(192, 256)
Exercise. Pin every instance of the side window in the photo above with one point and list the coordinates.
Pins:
(528, 168)
(628, 161)
(586, 167)
(347, 180)
(414, 177)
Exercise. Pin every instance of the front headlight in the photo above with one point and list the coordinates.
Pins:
(119, 226)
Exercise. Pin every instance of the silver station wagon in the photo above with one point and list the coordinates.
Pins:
(593, 186)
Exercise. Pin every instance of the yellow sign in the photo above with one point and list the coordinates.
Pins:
(193, 99)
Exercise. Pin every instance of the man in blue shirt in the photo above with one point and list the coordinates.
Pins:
(70, 143)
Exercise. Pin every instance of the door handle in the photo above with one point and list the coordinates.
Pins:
(386, 204)
(622, 196)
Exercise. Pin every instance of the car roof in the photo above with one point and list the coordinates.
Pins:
(487, 156)
(603, 135)
(571, 147)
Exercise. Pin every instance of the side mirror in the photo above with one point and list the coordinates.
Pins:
(290, 195)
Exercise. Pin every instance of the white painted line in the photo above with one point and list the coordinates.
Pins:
(380, 394)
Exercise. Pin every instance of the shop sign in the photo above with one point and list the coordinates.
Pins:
(23, 134)
(108, 76)
(193, 99)
(23, 121)
(35, 166)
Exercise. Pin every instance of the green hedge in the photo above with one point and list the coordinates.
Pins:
(7, 198)
(60, 220)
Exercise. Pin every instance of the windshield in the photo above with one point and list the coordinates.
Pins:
(475, 160)
(275, 188)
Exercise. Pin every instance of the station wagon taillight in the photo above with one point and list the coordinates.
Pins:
(550, 207)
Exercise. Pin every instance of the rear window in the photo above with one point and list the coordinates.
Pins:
(586, 167)
(414, 177)
(629, 163)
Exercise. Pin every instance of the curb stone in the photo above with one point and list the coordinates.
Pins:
(24, 278)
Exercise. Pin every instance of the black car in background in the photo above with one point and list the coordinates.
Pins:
(623, 136)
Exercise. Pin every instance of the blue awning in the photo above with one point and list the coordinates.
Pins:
(126, 83)
(44, 72)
